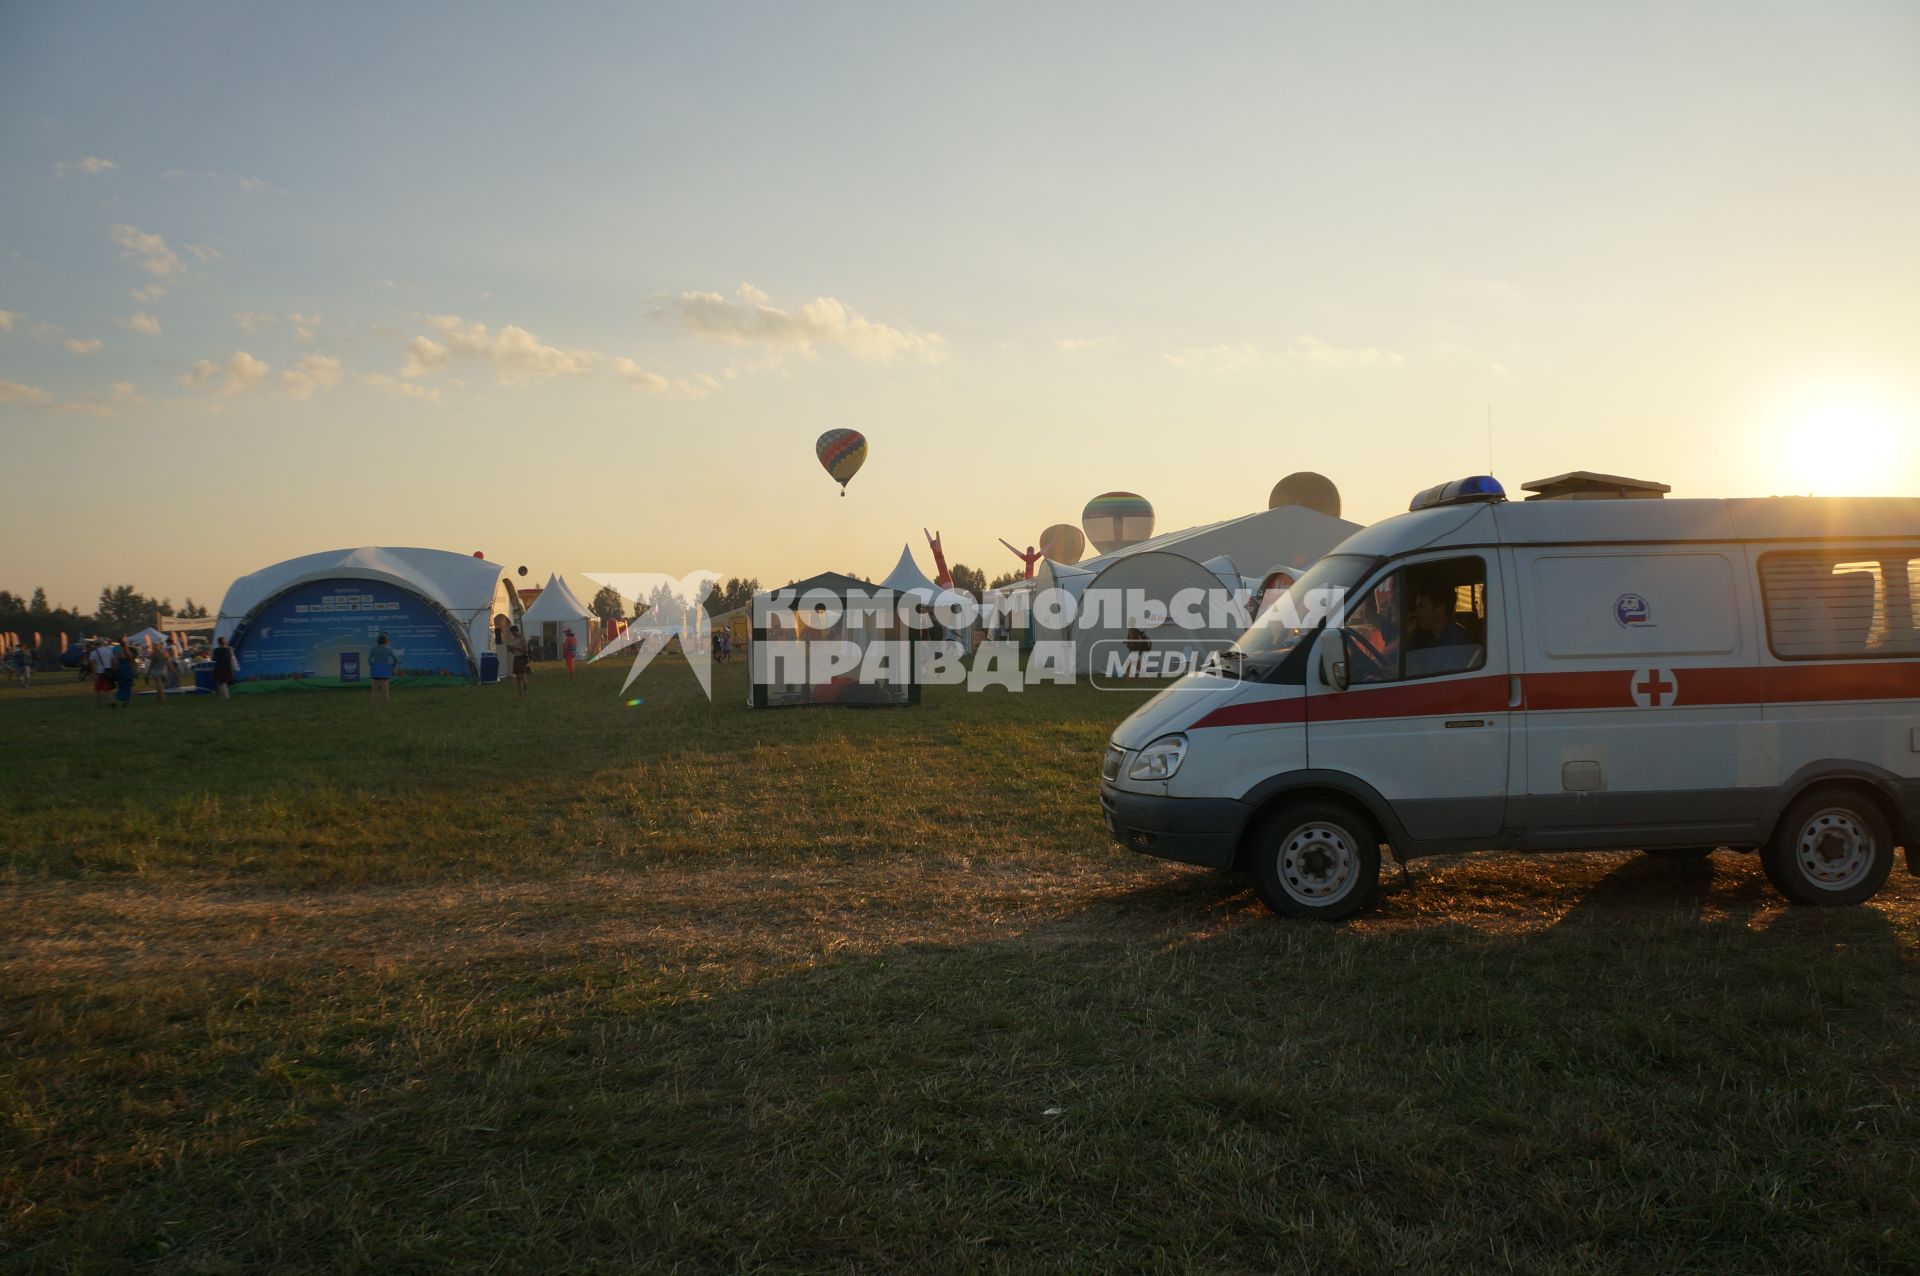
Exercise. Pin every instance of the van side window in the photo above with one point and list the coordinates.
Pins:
(1420, 622)
(1842, 604)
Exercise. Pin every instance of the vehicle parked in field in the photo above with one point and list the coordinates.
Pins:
(1671, 676)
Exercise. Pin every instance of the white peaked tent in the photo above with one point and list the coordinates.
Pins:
(906, 577)
(314, 613)
(555, 611)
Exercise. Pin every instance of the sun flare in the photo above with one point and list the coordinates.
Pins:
(1846, 448)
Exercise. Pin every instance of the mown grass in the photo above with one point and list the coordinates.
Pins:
(677, 987)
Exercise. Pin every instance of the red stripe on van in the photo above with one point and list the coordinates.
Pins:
(1876, 680)
(1412, 700)
(1256, 713)
(1589, 689)
(1613, 688)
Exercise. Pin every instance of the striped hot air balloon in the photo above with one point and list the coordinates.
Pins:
(1115, 520)
(841, 453)
(1063, 543)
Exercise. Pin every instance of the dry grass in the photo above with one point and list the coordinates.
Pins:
(681, 989)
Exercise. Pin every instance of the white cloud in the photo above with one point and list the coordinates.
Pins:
(6, 319)
(78, 346)
(304, 325)
(1071, 344)
(150, 251)
(749, 319)
(515, 354)
(152, 292)
(206, 255)
(91, 164)
(1316, 353)
(406, 389)
(252, 322)
(311, 375)
(141, 321)
(14, 392)
(653, 383)
(1223, 358)
(240, 373)
(244, 182)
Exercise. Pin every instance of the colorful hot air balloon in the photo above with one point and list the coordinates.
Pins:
(1115, 520)
(841, 453)
(1305, 488)
(1063, 543)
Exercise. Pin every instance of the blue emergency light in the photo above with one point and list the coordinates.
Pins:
(1480, 487)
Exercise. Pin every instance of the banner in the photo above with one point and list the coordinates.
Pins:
(320, 635)
(185, 624)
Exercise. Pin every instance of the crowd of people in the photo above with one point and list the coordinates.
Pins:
(116, 668)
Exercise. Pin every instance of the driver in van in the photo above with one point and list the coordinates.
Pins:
(1433, 621)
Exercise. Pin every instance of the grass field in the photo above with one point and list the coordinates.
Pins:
(292, 985)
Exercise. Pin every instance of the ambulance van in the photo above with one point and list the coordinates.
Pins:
(1673, 676)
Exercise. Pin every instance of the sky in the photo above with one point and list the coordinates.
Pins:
(578, 286)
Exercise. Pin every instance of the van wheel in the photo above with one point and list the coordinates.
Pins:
(1680, 852)
(1318, 859)
(1833, 846)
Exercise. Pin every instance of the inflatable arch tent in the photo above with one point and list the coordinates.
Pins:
(311, 621)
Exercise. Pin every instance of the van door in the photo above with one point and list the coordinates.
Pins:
(1641, 699)
(1424, 718)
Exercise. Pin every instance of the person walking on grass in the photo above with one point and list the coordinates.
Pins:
(23, 666)
(225, 665)
(125, 670)
(100, 660)
(569, 649)
(157, 672)
(517, 649)
(382, 662)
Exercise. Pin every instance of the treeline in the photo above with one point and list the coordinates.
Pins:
(122, 610)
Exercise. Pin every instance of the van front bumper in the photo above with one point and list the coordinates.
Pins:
(1190, 830)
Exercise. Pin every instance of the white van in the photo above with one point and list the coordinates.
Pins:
(1672, 676)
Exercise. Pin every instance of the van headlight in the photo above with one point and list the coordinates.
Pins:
(1159, 760)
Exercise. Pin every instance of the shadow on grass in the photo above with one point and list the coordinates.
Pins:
(1660, 1075)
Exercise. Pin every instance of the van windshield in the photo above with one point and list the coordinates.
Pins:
(1285, 620)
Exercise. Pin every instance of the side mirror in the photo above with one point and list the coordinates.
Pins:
(1333, 659)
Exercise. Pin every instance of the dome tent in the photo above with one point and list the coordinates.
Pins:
(1235, 554)
(311, 621)
(555, 611)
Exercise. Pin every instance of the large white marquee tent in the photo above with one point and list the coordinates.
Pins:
(313, 620)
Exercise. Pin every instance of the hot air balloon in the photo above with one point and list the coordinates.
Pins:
(479, 554)
(1115, 520)
(841, 453)
(1307, 489)
(1063, 543)
(523, 569)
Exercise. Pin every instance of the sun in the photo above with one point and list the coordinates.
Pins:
(1847, 448)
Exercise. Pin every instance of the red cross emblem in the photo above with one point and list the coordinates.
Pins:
(1654, 688)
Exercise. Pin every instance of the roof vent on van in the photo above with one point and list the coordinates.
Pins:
(1585, 485)
(1480, 487)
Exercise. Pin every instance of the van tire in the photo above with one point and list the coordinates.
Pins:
(1315, 860)
(1833, 846)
